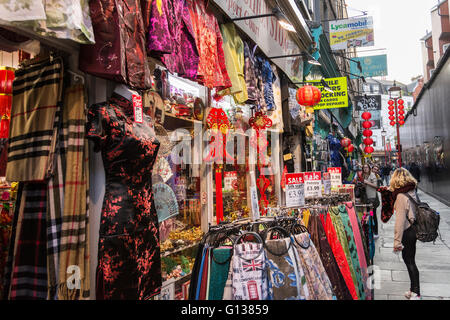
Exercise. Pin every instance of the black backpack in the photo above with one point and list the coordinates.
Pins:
(427, 220)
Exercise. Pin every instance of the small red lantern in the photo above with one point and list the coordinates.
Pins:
(391, 108)
(366, 115)
(368, 150)
(368, 141)
(401, 107)
(401, 117)
(392, 123)
(392, 118)
(346, 142)
(367, 133)
(391, 102)
(367, 125)
(391, 113)
(401, 122)
(308, 96)
(350, 148)
(401, 112)
(400, 101)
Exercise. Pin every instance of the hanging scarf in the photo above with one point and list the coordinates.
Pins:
(388, 199)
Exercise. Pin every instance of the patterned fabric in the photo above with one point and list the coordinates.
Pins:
(228, 290)
(267, 79)
(74, 241)
(171, 36)
(129, 264)
(33, 135)
(287, 280)
(212, 71)
(340, 256)
(29, 272)
(353, 251)
(253, 90)
(276, 115)
(119, 51)
(318, 282)
(359, 246)
(321, 244)
(220, 267)
(63, 19)
(249, 275)
(342, 238)
(388, 199)
(233, 48)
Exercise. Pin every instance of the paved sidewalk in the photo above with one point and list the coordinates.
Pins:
(433, 260)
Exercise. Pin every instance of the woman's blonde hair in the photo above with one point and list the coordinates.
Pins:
(400, 178)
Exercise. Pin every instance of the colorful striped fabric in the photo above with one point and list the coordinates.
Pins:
(33, 135)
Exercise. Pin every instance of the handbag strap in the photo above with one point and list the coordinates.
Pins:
(415, 204)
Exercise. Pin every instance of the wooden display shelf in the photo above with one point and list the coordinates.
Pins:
(169, 253)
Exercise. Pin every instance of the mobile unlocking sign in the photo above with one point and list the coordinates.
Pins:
(313, 184)
(295, 190)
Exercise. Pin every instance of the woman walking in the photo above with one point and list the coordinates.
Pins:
(371, 182)
(402, 183)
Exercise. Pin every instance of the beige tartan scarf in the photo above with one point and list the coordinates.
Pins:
(73, 262)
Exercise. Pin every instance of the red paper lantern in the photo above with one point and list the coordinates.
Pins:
(391, 113)
(401, 117)
(391, 102)
(391, 108)
(392, 123)
(401, 122)
(367, 133)
(308, 96)
(6, 83)
(4, 127)
(392, 118)
(367, 125)
(400, 101)
(368, 150)
(368, 141)
(402, 112)
(346, 142)
(401, 107)
(351, 148)
(366, 115)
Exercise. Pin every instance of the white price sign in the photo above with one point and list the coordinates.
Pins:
(326, 183)
(313, 184)
(295, 190)
(335, 177)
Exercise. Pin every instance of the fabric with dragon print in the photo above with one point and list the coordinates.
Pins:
(129, 262)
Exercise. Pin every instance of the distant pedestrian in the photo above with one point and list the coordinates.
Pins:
(371, 183)
(415, 171)
(385, 174)
(404, 235)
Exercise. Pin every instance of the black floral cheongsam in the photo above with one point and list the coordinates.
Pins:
(129, 262)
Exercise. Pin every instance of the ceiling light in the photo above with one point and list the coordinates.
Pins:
(283, 20)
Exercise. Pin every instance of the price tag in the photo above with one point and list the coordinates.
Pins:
(335, 177)
(295, 190)
(313, 184)
(287, 157)
(326, 183)
(137, 106)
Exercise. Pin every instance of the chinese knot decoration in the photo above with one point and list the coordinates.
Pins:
(6, 84)
(260, 122)
(367, 133)
(308, 96)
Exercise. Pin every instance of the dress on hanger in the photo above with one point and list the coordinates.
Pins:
(129, 262)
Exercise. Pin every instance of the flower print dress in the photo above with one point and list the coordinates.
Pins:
(129, 262)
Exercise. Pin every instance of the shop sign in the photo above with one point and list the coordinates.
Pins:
(313, 184)
(351, 33)
(326, 181)
(295, 190)
(373, 66)
(229, 180)
(335, 177)
(266, 32)
(336, 99)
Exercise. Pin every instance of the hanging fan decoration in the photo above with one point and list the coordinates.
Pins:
(166, 203)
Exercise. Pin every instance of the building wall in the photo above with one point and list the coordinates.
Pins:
(440, 24)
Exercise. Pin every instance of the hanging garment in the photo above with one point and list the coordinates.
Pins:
(249, 275)
(353, 251)
(255, 95)
(196, 271)
(228, 290)
(204, 280)
(200, 273)
(119, 51)
(129, 262)
(276, 115)
(287, 280)
(212, 71)
(306, 214)
(220, 267)
(29, 270)
(63, 19)
(320, 241)
(359, 245)
(171, 36)
(34, 130)
(233, 48)
(342, 238)
(267, 78)
(340, 256)
(319, 284)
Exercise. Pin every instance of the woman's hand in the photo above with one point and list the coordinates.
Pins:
(398, 248)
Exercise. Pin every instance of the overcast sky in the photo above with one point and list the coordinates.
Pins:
(399, 25)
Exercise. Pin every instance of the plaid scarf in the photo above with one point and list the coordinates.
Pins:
(29, 271)
(33, 136)
(68, 254)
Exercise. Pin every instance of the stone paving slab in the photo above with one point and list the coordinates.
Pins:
(425, 277)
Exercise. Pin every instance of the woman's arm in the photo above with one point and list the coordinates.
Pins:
(401, 210)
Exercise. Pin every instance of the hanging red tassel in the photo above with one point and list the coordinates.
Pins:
(219, 196)
(4, 127)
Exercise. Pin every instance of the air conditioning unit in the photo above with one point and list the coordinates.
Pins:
(431, 72)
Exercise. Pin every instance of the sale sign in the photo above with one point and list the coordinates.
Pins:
(326, 181)
(335, 177)
(313, 184)
(295, 190)
(229, 180)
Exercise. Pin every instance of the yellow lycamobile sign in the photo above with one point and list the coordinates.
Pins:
(350, 33)
(336, 99)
